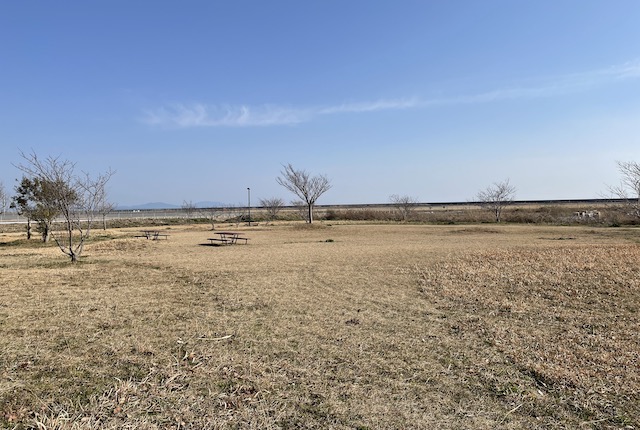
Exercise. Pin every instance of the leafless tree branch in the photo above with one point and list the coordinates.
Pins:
(308, 188)
(405, 205)
(273, 206)
(629, 187)
(495, 197)
(76, 198)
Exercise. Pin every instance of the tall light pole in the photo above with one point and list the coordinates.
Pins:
(249, 199)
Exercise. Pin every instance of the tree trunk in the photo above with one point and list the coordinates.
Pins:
(46, 232)
(75, 253)
(310, 213)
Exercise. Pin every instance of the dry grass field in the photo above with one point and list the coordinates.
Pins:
(343, 326)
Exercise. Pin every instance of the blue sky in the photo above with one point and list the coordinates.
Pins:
(199, 100)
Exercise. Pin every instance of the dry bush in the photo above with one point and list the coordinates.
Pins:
(364, 214)
(616, 216)
(458, 216)
(545, 214)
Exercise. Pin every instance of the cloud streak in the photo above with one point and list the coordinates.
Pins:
(379, 105)
(200, 115)
(192, 115)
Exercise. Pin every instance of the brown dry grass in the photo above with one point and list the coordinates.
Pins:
(342, 326)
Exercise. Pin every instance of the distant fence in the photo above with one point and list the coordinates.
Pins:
(13, 218)
(232, 212)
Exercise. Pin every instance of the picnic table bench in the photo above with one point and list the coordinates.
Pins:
(153, 234)
(228, 238)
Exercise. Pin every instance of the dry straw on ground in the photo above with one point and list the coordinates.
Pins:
(341, 326)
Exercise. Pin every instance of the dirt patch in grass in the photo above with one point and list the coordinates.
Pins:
(389, 326)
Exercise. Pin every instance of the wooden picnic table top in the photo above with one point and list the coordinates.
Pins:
(153, 234)
(229, 237)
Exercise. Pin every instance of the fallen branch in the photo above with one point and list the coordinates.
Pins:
(586, 423)
(216, 338)
(511, 411)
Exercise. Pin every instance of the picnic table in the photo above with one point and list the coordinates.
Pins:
(228, 238)
(153, 234)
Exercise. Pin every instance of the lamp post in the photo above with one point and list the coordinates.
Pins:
(249, 205)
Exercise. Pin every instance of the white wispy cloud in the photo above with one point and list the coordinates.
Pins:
(548, 87)
(191, 115)
(201, 115)
(630, 69)
(378, 105)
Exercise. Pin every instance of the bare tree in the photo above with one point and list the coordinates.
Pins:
(405, 205)
(74, 197)
(4, 200)
(306, 187)
(629, 187)
(212, 215)
(102, 206)
(235, 213)
(189, 208)
(273, 206)
(93, 197)
(495, 197)
(105, 208)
